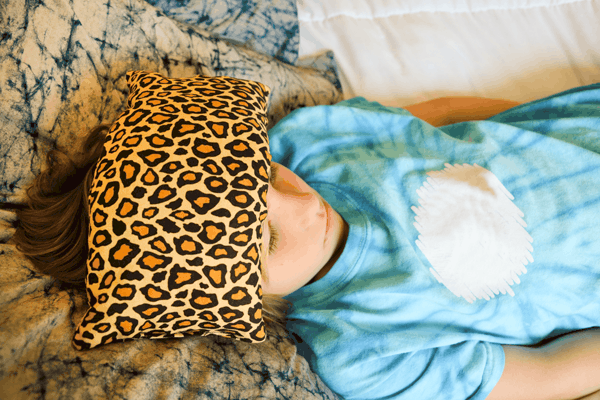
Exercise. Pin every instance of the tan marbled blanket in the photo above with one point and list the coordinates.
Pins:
(62, 71)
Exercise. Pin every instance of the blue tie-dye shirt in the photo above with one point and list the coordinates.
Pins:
(381, 324)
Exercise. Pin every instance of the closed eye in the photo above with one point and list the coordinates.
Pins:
(273, 173)
(273, 240)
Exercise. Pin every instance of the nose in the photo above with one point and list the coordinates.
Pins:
(291, 199)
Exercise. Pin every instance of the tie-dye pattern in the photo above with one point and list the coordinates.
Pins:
(64, 62)
(266, 26)
(379, 324)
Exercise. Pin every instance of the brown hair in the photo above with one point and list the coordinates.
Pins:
(52, 230)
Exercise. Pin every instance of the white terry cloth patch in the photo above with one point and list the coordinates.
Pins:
(471, 232)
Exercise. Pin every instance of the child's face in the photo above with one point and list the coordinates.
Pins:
(308, 232)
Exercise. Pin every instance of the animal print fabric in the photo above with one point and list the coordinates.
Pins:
(176, 209)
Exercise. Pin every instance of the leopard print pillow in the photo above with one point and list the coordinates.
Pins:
(176, 208)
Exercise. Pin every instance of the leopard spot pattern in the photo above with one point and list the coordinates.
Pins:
(176, 205)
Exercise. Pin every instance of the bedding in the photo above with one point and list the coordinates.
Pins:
(63, 66)
(403, 52)
(266, 26)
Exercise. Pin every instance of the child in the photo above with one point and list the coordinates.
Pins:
(424, 299)
(356, 235)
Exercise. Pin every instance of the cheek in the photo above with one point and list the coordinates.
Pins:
(297, 246)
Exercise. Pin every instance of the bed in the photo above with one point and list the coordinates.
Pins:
(63, 66)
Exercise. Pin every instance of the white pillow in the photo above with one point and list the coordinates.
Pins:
(404, 52)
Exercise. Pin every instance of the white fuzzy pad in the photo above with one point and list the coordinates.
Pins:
(471, 232)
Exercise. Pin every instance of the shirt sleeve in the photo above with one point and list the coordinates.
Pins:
(467, 370)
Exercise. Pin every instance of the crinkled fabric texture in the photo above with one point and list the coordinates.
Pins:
(266, 26)
(64, 62)
(63, 69)
(37, 361)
